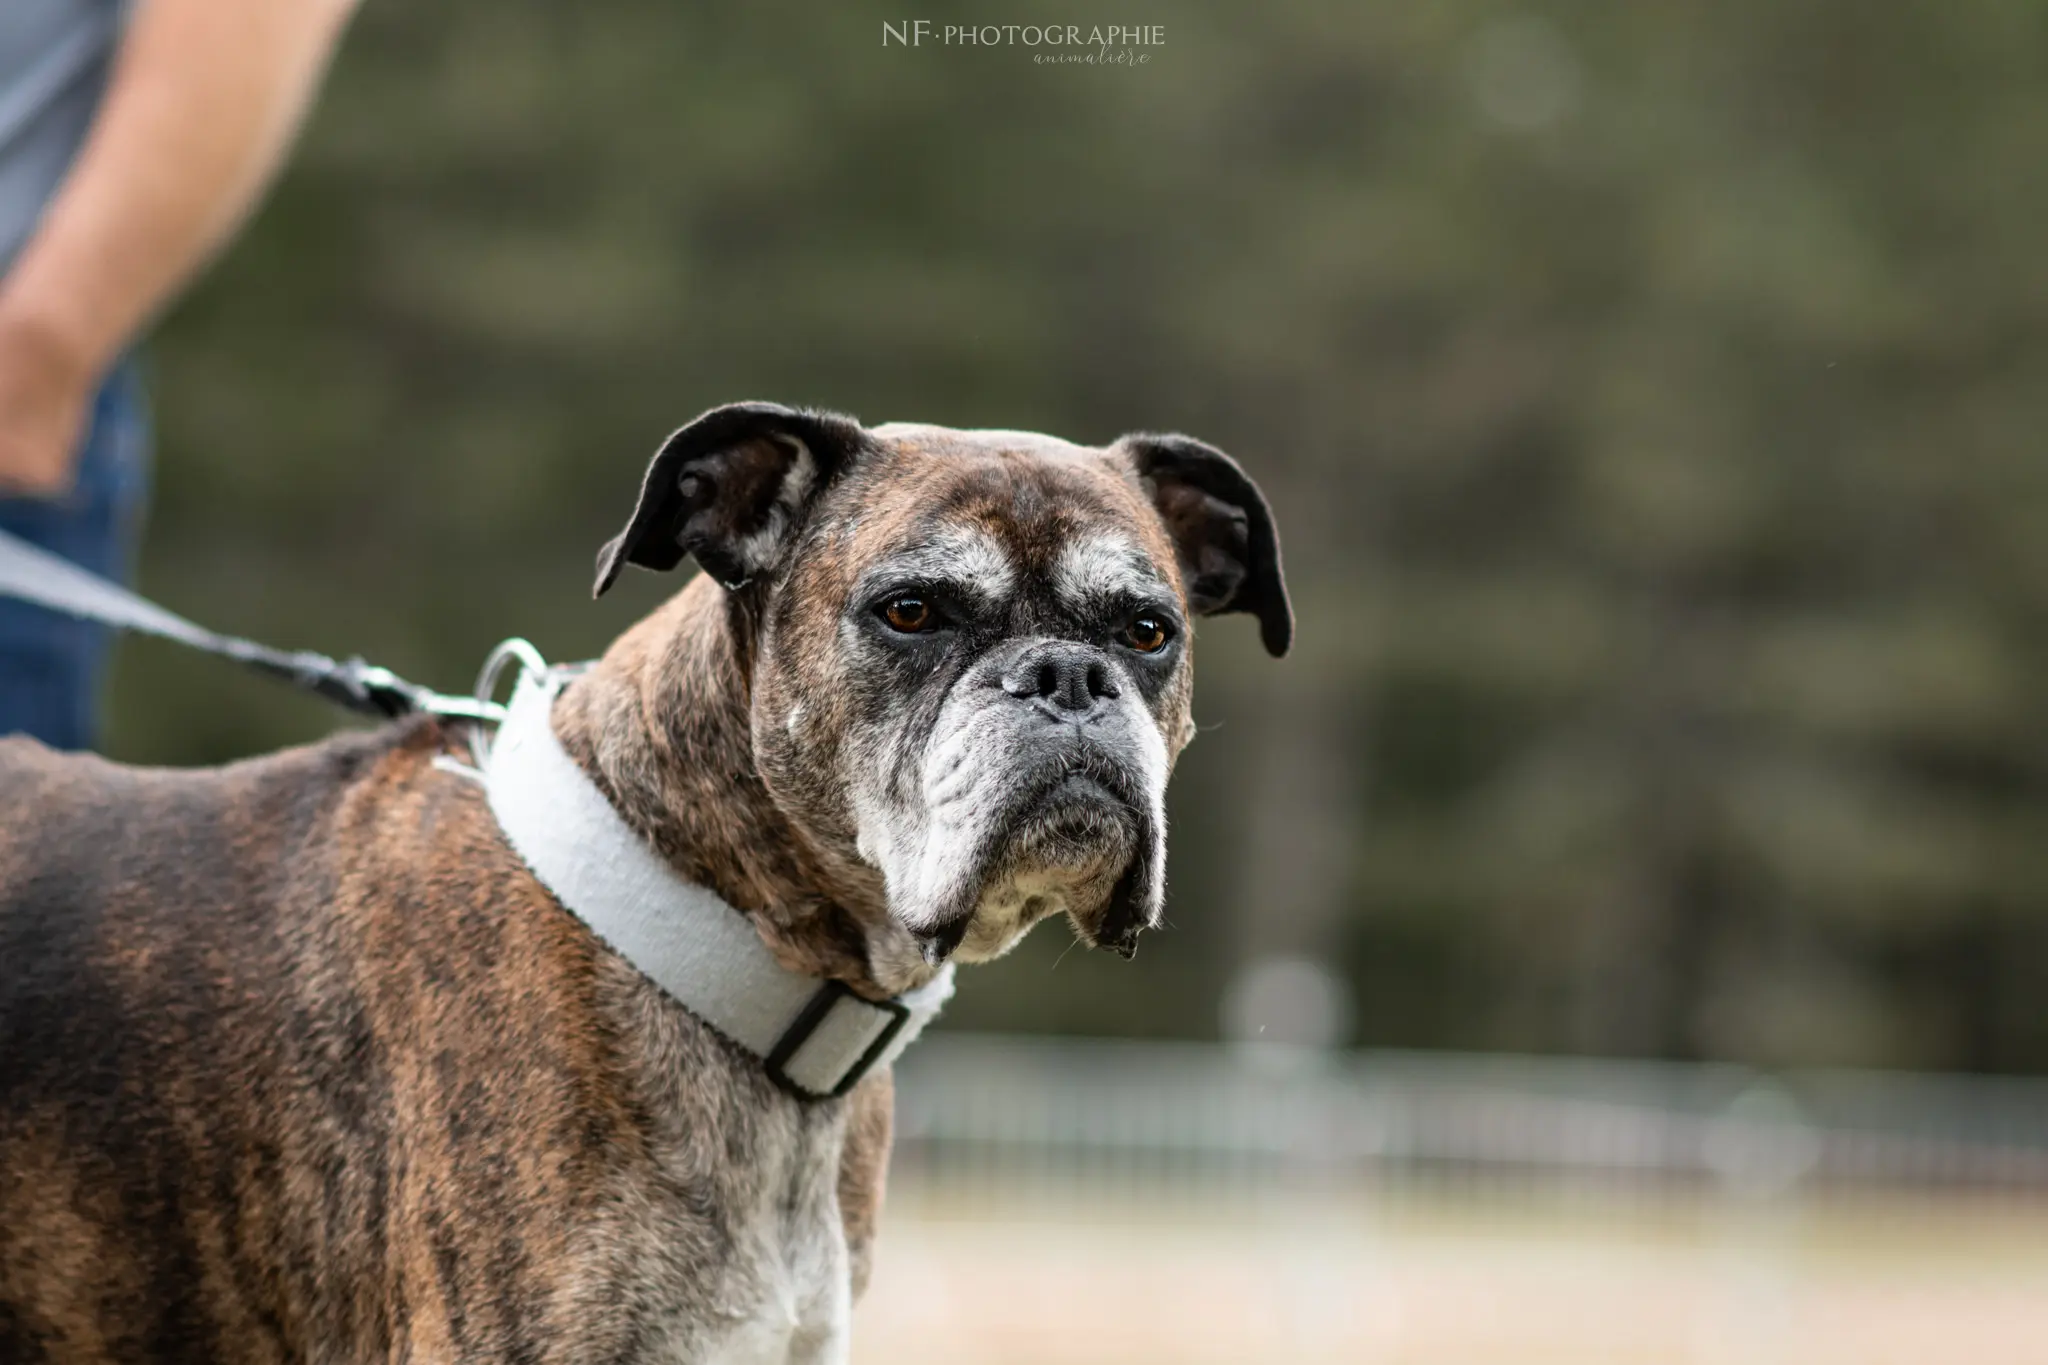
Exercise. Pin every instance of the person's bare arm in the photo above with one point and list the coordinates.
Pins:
(204, 99)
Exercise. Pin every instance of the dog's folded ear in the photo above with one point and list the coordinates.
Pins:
(1222, 530)
(729, 489)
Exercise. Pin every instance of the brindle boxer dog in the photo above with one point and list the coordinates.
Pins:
(301, 1063)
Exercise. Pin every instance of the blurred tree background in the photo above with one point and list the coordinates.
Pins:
(1652, 398)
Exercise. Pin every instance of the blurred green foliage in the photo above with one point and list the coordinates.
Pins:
(1652, 398)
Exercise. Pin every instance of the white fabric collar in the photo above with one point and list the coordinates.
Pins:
(816, 1037)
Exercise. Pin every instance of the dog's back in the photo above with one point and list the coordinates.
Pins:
(154, 994)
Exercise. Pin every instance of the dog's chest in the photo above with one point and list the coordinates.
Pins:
(730, 1238)
(786, 1299)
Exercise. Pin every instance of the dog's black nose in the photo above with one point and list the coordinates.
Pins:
(1068, 677)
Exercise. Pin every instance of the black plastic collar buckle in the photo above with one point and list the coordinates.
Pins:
(808, 1022)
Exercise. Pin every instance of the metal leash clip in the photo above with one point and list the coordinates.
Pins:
(480, 706)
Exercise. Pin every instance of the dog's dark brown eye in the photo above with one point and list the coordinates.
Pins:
(1147, 635)
(909, 614)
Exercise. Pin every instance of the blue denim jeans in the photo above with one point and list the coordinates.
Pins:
(52, 666)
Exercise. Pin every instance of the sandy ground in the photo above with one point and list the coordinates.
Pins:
(1029, 1277)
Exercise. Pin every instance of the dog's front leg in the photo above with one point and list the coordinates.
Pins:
(864, 1170)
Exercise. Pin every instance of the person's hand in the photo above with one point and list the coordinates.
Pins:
(44, 396)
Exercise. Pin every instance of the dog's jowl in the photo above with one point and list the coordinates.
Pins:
(299, 1059)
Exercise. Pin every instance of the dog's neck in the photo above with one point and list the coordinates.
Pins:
(662, 724)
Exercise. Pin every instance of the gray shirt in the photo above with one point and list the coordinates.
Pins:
(54, 59)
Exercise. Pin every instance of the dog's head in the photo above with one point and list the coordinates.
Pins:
(969, 649)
